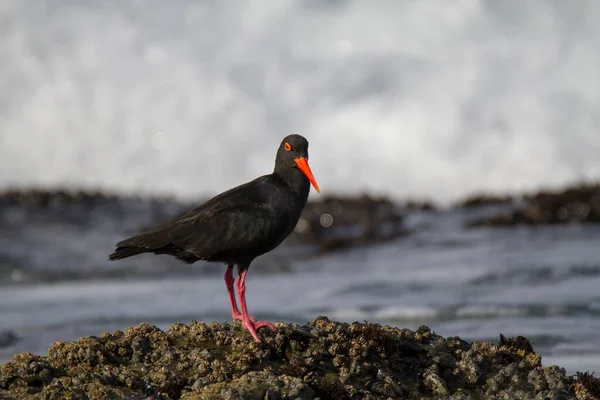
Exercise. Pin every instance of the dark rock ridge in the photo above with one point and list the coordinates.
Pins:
(420, 205)
(45, 199)
(324, 360)
(483, 199)
(573, 205)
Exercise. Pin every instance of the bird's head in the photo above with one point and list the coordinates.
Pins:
(293, 153)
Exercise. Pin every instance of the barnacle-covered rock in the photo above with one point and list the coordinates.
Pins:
(323, 359)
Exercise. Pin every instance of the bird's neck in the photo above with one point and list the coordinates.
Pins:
(295, 180)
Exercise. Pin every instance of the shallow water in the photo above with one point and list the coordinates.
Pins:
(540, 282)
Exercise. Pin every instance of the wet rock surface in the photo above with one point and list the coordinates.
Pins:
(574, 205)
(323, 359)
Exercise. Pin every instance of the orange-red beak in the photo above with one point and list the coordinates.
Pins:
(303, 165)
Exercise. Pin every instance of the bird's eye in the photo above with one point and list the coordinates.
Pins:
(287, 146)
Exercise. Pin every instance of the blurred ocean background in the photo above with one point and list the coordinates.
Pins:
(409, 99)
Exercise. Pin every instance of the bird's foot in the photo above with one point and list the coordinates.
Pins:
(252, 325)
(260, 324)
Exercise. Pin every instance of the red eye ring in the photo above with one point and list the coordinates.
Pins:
(287, 146)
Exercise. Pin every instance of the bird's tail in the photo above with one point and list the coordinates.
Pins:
(124, 252)
(150, 241)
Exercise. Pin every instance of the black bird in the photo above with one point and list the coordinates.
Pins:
(237, 225)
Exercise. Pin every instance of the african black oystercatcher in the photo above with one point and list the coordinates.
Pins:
(238, 225)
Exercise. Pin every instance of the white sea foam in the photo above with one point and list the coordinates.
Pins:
(407, 98)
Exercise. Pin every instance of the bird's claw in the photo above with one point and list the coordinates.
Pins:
(260, 324)
(252, 325)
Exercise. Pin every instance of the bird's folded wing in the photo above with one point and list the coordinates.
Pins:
(236, 230)
(209, 231)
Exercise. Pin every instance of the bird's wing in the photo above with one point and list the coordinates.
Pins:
(234, 222)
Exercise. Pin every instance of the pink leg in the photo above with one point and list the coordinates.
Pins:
(229, 280)
(249, 322)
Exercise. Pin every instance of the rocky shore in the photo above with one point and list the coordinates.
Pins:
(323, 359)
